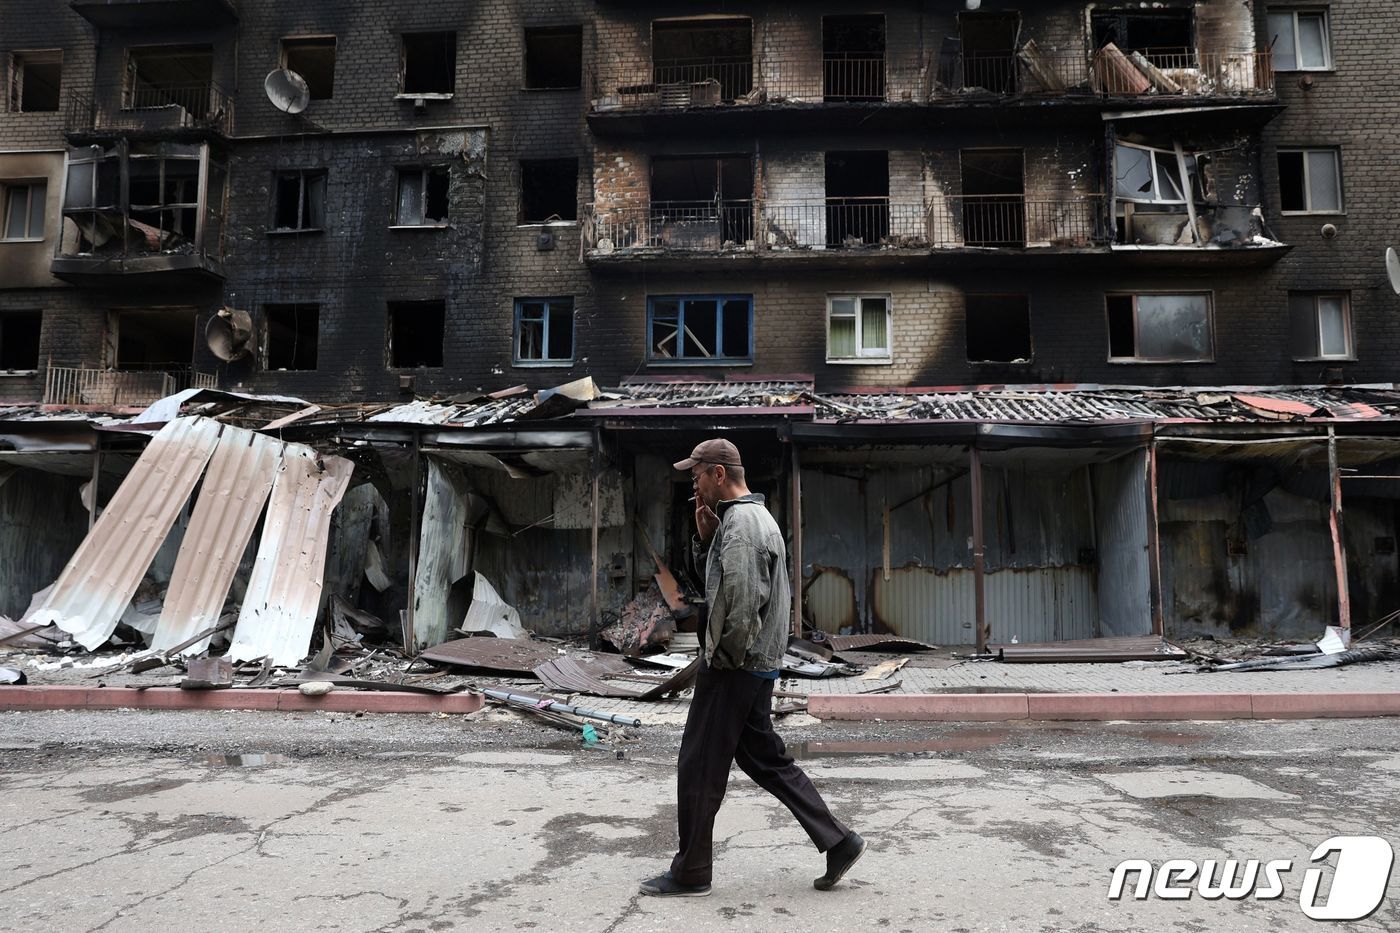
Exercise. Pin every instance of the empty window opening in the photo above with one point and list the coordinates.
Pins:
(994, 203)
(415, 333)
(853, 57)
(554, 57)
(24, 204)
(998, 328)
(989, 42)
(1160, 328)
(423, 196)
(314, 59)
(544, 330)
(19, 340)
(301, 201)
(702, 201)
(700, 329)
(163, 192)
(857, 328)
(702, 61)
(857, 198)
(1300, 39)
(548, 190)
(1153, 176)
(1310, 181)
(35, 80)
(154, 340)
(171, 76)
(1321, 325)
(290, 336)
(1165, 36)
(429, 62)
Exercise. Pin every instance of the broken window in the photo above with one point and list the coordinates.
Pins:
(170, 76)
(1160, 328)
(548, 190)
(415, 333)
(161, 339)
(857, 197)
(423, 197)
(35, 81)
(300, 201)
(858, 327)
(1310, 181)
(554, 57)
(290, 333)
(24, 204)
(1162, 35)
(163, 191)
(19, 340)
(703, 201)
(1153, 176)
(702, 61)
(700, 329)
(429, 63)
(544, 330)
(853, 57)
(988, 42)
(994, 202)
(313, 58)
(1300, 40)
(998, 328)
(1321, 325)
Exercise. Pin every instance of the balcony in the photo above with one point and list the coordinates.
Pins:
(112, 388)
(201, 108)
(145, 14)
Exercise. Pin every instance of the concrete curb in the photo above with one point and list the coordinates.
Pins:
(1001, 707)
(173, 698)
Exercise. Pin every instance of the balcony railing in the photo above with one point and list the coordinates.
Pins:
(75, 385)
(1009, 221)
(151, 108)
(1029, 71)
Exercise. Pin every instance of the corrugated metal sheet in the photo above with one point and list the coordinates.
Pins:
(284, 593)
(444, 552)
(1122, 538)
(99, 581)
(1045, 604)
(230, 501)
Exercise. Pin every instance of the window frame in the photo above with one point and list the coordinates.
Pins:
(1293, 13)
(1138, 359)
(265, 348)
(302, 175)
(558, 30)
(390, 310)
(38, 350)
(1305, 151)
(1316, 316)
(718, 359)
(7, 189)
(405, 94)
(423, 223)
(14, 82)
(1189, 184)
(1029, 358)
(545, 360)
(862, 357)
(323, 41)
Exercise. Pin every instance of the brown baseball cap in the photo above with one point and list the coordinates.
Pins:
(717, 450)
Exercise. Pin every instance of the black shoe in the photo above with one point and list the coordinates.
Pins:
(839, 859)
(667, 886)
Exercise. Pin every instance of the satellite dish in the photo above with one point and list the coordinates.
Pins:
(229, 334)
(287, 90)
(1392, 266)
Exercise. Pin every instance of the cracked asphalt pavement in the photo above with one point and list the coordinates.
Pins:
(144, 821)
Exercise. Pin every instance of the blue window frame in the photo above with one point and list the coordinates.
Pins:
(700, 329)
(544, 331)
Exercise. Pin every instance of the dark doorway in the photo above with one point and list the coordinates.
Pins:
(989, 50)
(994, 203)
(857, 198)
(853, 57)
(705, 60)
(704, 197)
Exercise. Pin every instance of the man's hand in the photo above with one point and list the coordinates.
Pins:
(706, 521)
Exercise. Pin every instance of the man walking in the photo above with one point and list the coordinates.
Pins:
(741, 550)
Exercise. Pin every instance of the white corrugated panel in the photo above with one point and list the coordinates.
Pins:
(99, 581)
(444, 552)
(1042, 604)
(279, 609)
(230, 500)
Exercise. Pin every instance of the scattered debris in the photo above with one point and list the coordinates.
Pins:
(885, 669)
(646, 621)
(548, 704)
(568, 674)
(839, 643)
(316, 688)
(1091, 650)
(9, 676)
(507, 655)
(207, 674)
(491, 614)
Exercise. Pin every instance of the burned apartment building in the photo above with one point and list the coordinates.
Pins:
(778, 220)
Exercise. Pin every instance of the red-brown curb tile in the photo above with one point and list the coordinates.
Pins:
(1325, 705)
(1112, 706)
(940, 707)
(34, 697)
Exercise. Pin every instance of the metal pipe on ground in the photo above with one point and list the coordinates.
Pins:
(555, 706)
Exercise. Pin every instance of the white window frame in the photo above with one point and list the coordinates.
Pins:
(1137, 332)
(1315, 297)
(863, 355)
(1306, 151)
(1293, 15)
(7, 188)
(1183, 183)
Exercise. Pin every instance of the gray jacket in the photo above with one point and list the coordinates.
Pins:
(746, 587)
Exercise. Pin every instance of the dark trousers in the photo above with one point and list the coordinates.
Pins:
(730, 720)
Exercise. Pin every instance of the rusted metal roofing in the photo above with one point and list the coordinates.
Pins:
(1131, 648)
(576, 677)
(507, 655)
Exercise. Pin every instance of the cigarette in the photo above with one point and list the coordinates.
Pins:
(692, 498)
